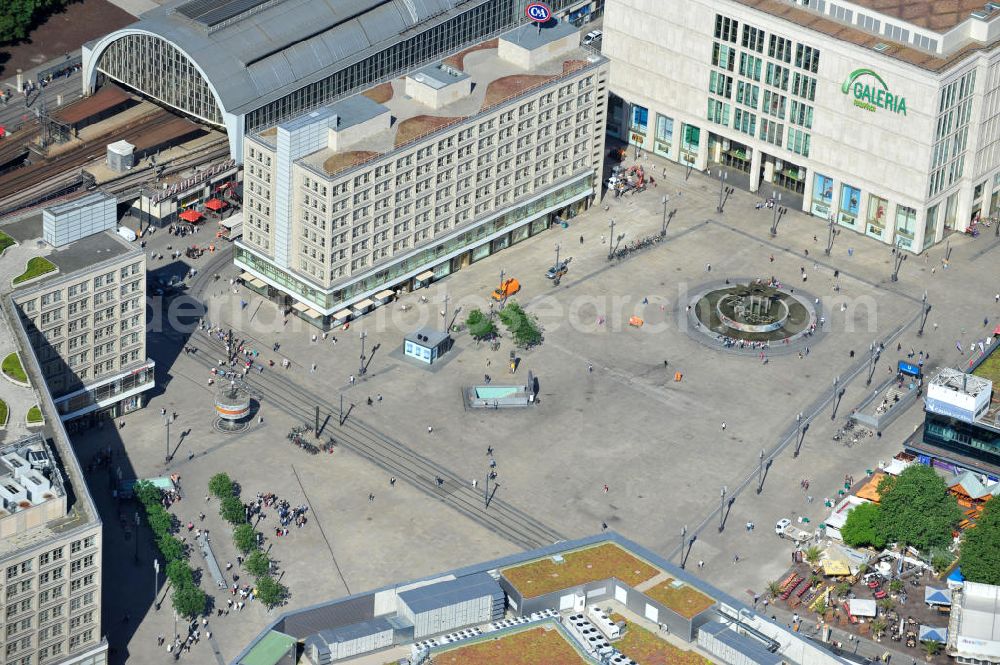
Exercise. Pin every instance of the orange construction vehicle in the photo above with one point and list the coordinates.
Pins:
(508, 287)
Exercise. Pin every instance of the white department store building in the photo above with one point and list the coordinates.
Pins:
(887, 121)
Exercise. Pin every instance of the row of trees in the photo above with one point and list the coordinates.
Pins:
(915, 508)
(188, 600)
(269, 591)
(522, 326)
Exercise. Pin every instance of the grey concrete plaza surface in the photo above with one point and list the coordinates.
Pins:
(609, 411)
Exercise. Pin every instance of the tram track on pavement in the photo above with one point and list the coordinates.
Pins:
(393, 456)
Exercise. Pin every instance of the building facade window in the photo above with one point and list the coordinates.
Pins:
(726, 28)
(875, 221)
(664, 137)
(850, 204)
(906, 219)
(718, 112)
(822, 196)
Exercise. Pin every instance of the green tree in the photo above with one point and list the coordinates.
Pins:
(878, 627)
(820, 606)
(231, 509)
(813, 555)
(244, 537)
(189, 601)
(171, 548)
(221, 485)
(931, 647)
(773, 588)
(257, 564)
(522, 326)
(980, 554)
(480, 326)
(147, 494)
(896, 586)
(886, 604)
(859, 529)
(916, 509)
(843, 588)
(179, 573)
(17, 17)
(160, 521)
(270, 591)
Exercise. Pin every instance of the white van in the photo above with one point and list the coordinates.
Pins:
(127, 233)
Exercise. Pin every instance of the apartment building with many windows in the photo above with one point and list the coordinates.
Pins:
(423, 175)
(86, 322)
(881, 117)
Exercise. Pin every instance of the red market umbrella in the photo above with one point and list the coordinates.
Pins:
(215, 204)
(996, 331)
(190, 216)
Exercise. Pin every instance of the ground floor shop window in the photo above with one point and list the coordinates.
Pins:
(822, 203)
(638, 125)
(875, 222)
(850, 205)
(616, 115)
(520, 233)
(664, 138)
(950, 212)
(690, 144)
(481, 252)
(906, 219)
(930, 226)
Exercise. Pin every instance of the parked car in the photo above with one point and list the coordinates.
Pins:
(558, 270)
(591, 37)
(779, 528)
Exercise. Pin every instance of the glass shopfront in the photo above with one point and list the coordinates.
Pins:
(906, 220)
(638, 125)
(822, 197)
(950, 213)
(850, 205)
(930, 226)
(875, 221)
(690, 144)
(664, 137)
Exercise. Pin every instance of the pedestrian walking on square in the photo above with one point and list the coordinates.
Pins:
(371, 498)
(701, 564)
(723, 425)
(429, 429)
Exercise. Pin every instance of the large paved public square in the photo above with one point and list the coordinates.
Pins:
(609, 410)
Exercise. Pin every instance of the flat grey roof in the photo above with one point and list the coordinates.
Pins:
(438, 75)
(752, 649)
(355, 110)
(89, 251)
(530, 37)
(443, 594)
(355, 631)
(980, 611)
(434, 337)
(82, 202)
(261, 53)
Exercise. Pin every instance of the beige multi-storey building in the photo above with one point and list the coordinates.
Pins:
(50, 541)
(423, 175)
(87, 325)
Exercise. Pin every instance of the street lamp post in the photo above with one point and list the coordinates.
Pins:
(722, 508)
(760, 473)
(874, 351)
(556, 264)
(663, 227)
(167, 419)
(363, 336)
(156, 581)
(611, 240)
(897, 261)
(832, 233)
(836, 385)
(778, 212)
(723, 177)
(925, 311)
(684, 533)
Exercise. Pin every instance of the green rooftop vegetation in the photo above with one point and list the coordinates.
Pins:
(12, 368)
(37, 266)
(990, 369)
(681, 598)
(5, 242)
(534, 646)
(644, 646)
(4, 413)
(544, 576)
(35, 415)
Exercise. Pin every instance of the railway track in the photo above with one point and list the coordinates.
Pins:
(23, 183)
(396, 458)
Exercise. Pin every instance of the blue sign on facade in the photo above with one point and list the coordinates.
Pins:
(907, 368)
(945, 409)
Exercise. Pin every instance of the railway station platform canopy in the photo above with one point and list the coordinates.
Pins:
(247, 64)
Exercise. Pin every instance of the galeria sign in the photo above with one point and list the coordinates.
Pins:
(871, 92)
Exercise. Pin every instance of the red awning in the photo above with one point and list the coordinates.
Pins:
(215, 204)
(996, 331)
(190, 215)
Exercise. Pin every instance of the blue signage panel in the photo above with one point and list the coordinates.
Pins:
(907, 368)
(945, 409)
(538, 12)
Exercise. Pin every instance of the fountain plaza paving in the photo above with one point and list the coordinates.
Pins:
(609, 411)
